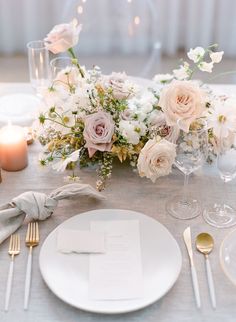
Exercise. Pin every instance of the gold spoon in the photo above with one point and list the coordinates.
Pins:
(205, 244)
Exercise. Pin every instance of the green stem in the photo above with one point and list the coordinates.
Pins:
(76, 62)
(48, 119)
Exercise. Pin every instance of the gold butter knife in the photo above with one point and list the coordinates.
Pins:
(188, 243)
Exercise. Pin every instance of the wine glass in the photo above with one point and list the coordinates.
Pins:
(191, 152)
(39, 69)
(58, 64)
(222, 214)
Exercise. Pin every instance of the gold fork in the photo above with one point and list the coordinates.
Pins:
(14, 249)
(31, 240)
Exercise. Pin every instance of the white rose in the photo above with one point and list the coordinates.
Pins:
(196, 54)
(156, 159)
(217, 56)
(206, 67)
(132, 130)
(182, 100)
(62, 37)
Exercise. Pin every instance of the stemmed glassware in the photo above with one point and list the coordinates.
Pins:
(221, 214)
(60, 63)
(191, 152)
(39, 69)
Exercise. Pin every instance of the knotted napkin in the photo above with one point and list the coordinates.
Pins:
(38, 206)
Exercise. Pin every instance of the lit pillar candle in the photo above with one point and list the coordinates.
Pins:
(13, 148)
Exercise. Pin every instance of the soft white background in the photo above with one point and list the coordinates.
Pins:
(176, 24)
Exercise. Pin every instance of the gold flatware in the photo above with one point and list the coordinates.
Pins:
(188, 243)
(14, 249)
(31, 240)
(205, 244)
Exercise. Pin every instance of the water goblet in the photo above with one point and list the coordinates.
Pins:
(59, 64)
(39, 69)
(191, 152)
(222, 214)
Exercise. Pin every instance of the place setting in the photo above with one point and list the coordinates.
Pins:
(102, 241)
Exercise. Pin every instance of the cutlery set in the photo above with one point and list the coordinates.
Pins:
(31, 240)
(204, 244)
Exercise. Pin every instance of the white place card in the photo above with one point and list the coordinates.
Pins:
(80, 241)
(117, 274)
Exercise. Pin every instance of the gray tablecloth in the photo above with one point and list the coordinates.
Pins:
(126, 191)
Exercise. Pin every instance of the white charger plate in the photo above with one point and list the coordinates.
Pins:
(67, 274)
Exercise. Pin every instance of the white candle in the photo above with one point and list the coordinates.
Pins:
(13, 148)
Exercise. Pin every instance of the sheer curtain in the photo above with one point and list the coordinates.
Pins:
(110, 25)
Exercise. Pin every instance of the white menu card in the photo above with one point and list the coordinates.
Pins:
(117, 274)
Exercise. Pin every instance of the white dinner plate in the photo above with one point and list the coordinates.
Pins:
(67, 274)
(228, 256)
(20, 109)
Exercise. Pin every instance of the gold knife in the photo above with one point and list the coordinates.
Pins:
(188, 243)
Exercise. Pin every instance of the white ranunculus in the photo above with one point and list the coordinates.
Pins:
(196, 54)
(216, 57)
(62, 164)
(182, 100)
(206, 67)
(156, 158)
(132, 130)
(63, 36)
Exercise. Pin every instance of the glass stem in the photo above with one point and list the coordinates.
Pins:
(225, 194)
(185, 190)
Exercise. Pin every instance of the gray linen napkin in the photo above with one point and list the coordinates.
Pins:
(38, 206)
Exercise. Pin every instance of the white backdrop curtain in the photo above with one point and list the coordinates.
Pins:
(109, 24)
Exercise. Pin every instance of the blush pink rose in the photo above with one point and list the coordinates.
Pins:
(98, 132)
(62, 37)
(156, 158)
(121, 87)
(182, 100)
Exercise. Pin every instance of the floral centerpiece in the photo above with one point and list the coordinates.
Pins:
(91, 118)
